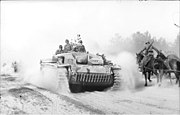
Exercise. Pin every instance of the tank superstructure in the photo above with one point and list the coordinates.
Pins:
(85, 71)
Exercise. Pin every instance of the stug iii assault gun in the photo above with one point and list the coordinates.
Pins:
(85, 71)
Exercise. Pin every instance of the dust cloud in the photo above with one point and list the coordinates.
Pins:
(131, 77)
(49, 78)
(42, 79)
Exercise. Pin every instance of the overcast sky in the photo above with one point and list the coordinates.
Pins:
(31, 28)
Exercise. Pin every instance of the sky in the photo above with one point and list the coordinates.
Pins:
(33, 29)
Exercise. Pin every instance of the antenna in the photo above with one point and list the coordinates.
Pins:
(179, 36)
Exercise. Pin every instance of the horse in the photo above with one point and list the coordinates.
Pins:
(149, 67)
(160, 67)
(174, 64)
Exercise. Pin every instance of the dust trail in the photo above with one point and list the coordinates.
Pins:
(6, 69)
(49, 78)
(131, 77)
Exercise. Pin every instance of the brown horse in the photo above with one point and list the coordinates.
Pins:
(174, 63)
(151, 67)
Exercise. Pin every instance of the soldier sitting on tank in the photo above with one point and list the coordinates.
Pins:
(149, 54)
(80, 47)
(60, 50)
(78, 38)
(67, 47)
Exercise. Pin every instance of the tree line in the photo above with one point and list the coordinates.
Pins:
(136, 43)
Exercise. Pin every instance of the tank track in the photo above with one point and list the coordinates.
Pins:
(117, 81)
(63, 81)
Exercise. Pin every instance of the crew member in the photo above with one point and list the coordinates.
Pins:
(67, 47)
(60, 50)
(80, 47)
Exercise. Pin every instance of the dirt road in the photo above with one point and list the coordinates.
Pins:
(20, 98)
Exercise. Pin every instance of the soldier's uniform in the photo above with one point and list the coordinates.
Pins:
(67, 47)
(59, 51)
(80, 47)
(149, 54)
(78, 38)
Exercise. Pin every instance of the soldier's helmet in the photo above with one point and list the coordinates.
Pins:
(147, 42)
(78, 35)
(67, 41)
(60, 46)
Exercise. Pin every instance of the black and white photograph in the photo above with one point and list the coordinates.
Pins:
(87, 57)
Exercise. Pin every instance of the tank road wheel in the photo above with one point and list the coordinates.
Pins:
(75, 88)
(117, 80)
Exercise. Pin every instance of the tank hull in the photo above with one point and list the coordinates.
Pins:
(90, 82)
(77, 88)
(83, 74)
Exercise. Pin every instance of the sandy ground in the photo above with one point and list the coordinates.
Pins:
(20, 98)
